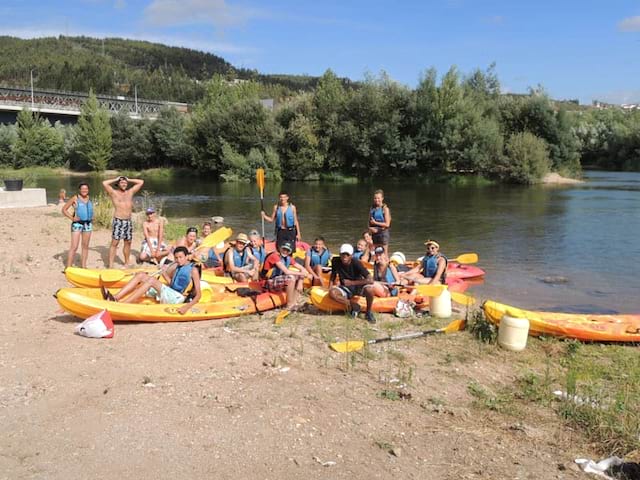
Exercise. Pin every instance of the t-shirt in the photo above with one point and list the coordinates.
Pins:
(353, 271)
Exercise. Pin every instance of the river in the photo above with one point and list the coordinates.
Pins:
(585, 235)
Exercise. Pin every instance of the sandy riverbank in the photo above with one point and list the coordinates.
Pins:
(244, 399)
(557, 179)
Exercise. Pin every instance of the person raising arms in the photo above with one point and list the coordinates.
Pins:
(380, 221)
(122, 227)
(285, 216)
(81, 223)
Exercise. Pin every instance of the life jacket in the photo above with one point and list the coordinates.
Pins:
(357, 255)
(239, 260)
(321, 259)
(430, 266)
(260, 253)
(387, 277)
(377, 213)
(270, 270)
(212, 260)
(288, 217)
(84, 210)
(181, 278)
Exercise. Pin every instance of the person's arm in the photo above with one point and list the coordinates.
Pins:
(297, 224)
(160, 234)
(273, 214)
(231, 266)
(67, 206)
(387, 219)
(252, 262)
(108, 185)
(442, 264)
(167, 273)
(307, 263)
(195, 279)
(363, 272)
(137, 185)
(394, 272)
(288, 271)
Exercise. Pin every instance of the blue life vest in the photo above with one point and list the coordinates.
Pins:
(430, 266)
(181, 278)
(239, 260)
(276, 271)
(321, 259)
(84, 211)
(388, 278)
(358, 255)
(260, 253)
(377, 213)
(288, 215)
(212, 259)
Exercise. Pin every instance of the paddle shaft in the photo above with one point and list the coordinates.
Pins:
(393, 338)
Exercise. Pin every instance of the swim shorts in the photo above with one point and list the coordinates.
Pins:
(122, 229)
(167, 295)
(82, 226)
(154, 243)
(381, 238)
(279, 283)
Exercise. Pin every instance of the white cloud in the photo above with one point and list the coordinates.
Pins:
(203, 12)
(630, 24)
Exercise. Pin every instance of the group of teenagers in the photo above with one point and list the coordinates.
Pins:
(246, 258)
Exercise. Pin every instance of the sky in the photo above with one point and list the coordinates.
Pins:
(584, 49)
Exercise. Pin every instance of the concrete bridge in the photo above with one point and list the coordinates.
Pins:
(65, 106)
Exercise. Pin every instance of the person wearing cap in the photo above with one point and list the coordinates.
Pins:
(257, 248)
(432, 270)
(279, 277)
(380, 221)
(122, 227)
(238, 261)
(153, 248)
(285, 216)
(385, 275)
(316, 261)
(349, 278)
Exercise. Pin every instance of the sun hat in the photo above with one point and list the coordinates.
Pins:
(242, 238)
(217, 219)
(432, 242)
(254, 233)
(286, 246)
(151, 210)
(398, 258)
(346, 248)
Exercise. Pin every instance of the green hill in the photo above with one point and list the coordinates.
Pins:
(116, 66)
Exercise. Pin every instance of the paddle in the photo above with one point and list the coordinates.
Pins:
(260, 181)
(281, 316)
(462, 258)
(355, 345)
(214, 238)
(462, 299)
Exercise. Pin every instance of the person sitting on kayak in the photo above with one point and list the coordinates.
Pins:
(209, 256)
(317, 260)
(349, 279)
(362, 250)
(239, 262)
(380, 221)
(183, 284)
(280, 277)
(385, 275)
(257, 248)
(432, 270)
(285, 215)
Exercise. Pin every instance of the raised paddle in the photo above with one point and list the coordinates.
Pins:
(260, 182)
(356, 345)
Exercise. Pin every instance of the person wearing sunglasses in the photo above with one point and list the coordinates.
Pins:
(432, 269)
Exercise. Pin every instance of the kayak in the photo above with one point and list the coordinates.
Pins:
(84, 302)
(319, 297)
(581, 326)
(116, 278)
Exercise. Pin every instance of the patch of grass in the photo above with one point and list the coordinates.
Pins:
(102, 210)
(387, 394)
(502, 401)
(482, 329)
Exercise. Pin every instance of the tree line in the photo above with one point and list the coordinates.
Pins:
(450, 124)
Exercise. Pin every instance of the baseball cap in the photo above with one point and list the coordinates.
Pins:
(286, 246)
(346, 248)
(379, 250)
(151, 210)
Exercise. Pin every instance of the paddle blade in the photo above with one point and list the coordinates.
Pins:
(430, 290)
(260, 179)
(281, 316)
(111, 276)
(467, 258)
(351, 346)
(299, 253)
(463, 299)
(220, 235)
(455, 326)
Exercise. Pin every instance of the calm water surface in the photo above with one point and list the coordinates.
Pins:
(587, 234)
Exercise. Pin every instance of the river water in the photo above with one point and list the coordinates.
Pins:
(584, 237)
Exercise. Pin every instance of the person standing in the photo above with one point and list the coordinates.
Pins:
(380, 221)
(122, 226)
(81, 223)
(285, 215)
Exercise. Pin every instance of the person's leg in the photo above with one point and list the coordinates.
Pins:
(368, 294)
(292, 294)
(112, 252)
(318, 271)
(126, 251)
(137, 279)
(86, 237)
(73, 248)
(143, 288)
(240, 277)
(339, 296)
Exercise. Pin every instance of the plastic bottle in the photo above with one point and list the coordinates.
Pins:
(440, 306)
(513, 333)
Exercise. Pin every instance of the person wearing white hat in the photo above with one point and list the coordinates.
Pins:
(432, 270)
(349, 278)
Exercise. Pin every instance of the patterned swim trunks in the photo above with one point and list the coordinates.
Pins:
(82, 226)
(122, 229)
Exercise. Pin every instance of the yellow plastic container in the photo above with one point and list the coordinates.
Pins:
(513, 333)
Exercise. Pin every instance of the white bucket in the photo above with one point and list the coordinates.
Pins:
(440, 306)
(513, 333)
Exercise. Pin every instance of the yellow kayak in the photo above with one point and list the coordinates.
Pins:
(581, 326)
(115, 278)
(84, 302)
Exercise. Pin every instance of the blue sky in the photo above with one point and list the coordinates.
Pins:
(575, 49)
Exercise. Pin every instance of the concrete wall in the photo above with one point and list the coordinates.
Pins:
(28, 197)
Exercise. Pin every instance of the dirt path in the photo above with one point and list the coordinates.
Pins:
(244, 399)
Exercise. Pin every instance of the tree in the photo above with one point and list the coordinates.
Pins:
(168, 133)
(8, 138)
(93, 140)
(526, 161)
(37, 143)
(131, 143)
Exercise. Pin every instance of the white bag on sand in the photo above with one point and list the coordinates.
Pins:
(99, 325)
(404, 309)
